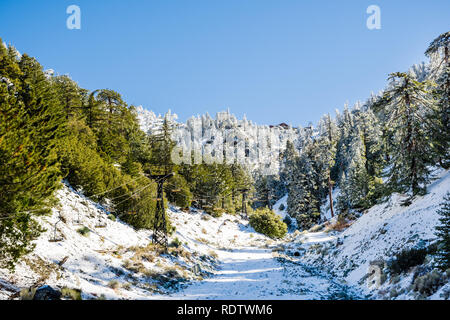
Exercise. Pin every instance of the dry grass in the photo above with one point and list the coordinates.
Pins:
(134, 266)
(339, 225)
(278, 249)
(180, 252)
(203, 240)
(148, 253)
(213, 254)
(42, 268)
(114, 284)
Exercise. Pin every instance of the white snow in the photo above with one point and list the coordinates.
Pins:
(276, 207)
(382, 231)
(224, 258)
(247, 265)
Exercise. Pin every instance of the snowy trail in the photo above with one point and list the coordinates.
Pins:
(247, 266)
(255, 273)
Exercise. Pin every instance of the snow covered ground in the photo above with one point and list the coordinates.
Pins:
(111, 261)
(220, 258)
(378, 234)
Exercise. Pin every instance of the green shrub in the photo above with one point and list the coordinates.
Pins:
(84, 231)
(430, 282)
(111, 217)
(265, 221)
(175, 243)
(406, 259)
(216, 212)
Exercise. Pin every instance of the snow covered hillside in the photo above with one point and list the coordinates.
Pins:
(374, 238)
(217, 258)
(105, 258)
(224, 258)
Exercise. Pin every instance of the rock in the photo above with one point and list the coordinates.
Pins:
(375, 274)
(197, 269)
(297, 254)
(47, 293)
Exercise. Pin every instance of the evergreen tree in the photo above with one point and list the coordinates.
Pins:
(31, 122)
(162, 146)
(371, 136)
(359, 189)
(240, 179)
(440, 117)
(69, 95)
(110, 119)
(360, 182)
(304, 197)
(269, 189)
(406, 103)
(345, 124)
(178, 192)
(442, 42)
(327, 145)
(443, 233)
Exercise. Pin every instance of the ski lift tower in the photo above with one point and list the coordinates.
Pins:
(160, 225)
(244, 201)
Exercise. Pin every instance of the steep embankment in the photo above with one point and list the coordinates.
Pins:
(217, 258)
(224, 258)
(101, 257)
(374, 239)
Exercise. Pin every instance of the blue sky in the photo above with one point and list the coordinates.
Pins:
(276, 61)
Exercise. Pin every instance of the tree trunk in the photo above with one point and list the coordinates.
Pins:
(330, 189)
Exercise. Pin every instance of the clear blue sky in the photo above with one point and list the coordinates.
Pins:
(276, 61)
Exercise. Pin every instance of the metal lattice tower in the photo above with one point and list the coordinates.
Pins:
(244, 201)
(160, 225)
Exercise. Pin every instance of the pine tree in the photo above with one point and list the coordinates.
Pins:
(327, 145)
(162, 146)
(371, 136)
(361, 161)
(359, 189)
(109, 117)
(443, 233)
(440, 117)
(345, 124)
(241, 179)
(289, 160)
(178, 192)
(69, 95)
(405, 104)
(442, 42)
(303, 201)
(31, 124)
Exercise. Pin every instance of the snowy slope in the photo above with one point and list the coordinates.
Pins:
(221, 258)
(377, 235)
(107, 254)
